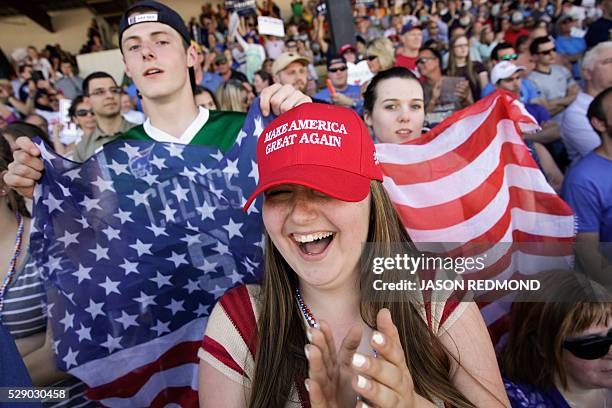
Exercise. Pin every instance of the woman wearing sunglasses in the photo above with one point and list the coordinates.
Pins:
(558, 352)
(80, 113)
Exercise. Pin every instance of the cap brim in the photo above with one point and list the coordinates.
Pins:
(336, 183)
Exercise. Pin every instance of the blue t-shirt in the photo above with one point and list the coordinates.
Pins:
(571, 46)
(133, 92)
(528, 90)
(211, 81)
(539, 112)
(587, 188)
(352, 91)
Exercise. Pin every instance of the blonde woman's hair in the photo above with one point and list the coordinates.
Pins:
(383, 49)
(229, 96)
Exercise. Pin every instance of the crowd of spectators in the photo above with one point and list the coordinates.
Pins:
(554, 55)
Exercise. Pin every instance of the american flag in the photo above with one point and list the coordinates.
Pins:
(136, 244)
(471, 180)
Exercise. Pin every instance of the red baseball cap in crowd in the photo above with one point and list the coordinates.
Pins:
(324, 147)
(346, 48)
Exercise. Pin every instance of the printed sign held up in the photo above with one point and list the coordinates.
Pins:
(270, 26)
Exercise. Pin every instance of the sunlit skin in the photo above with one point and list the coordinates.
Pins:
(291, 210)
(588, 375)
(338, 78)
(259, 83)
(155, 59)
(512, 83)
(102, 100)
(461, 49)
(205, 100)
(373, 64)
(88, 122)
(295, 74)
(412, 40)
(399, 111)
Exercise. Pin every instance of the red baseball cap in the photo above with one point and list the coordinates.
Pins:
(324, 147)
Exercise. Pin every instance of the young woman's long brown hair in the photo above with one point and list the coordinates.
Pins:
(280, 363)
(471, 74)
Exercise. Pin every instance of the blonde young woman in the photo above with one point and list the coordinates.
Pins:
(379, 55)
(234, 96)
(311, 334)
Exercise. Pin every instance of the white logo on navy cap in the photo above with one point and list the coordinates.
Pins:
(142, 18)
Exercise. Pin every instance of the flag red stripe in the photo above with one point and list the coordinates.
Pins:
(242, 317)
(458, 159)
(130, 383)
(182, 396)
(220, 353)
(511, 111)
(459, 210)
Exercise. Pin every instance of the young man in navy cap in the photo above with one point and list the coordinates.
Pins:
(159, 58)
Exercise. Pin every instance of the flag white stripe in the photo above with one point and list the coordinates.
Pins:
(439, 146)
(466, 180)
(531, 222)
(125, 361)
(174, 377)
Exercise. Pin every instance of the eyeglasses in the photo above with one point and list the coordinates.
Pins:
(84, 112)
(510, 57)
(115, 90)
(334, 70)
(217, 63)
(371, 57)
(590, 348)
(461, 45)
(547, 52)
(423, 60)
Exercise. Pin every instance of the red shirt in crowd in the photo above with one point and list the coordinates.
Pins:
(511, 35)
(406, 62)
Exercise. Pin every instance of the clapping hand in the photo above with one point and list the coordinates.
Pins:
(329, 375)
(382, 381)
(385, 381)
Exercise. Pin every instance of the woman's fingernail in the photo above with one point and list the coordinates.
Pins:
(309, 335)
(306, 351)
(378, 338)
(359, 360)
(362, 382)
(306, 385)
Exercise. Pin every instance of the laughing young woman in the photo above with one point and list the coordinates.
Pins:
(308, 336)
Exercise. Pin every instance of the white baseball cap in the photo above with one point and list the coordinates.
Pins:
(503, 70)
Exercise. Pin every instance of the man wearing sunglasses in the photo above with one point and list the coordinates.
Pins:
(340, 92)
(105, 99)
(554, 82)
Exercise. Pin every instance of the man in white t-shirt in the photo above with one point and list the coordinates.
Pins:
(577, 133)
(554, 82)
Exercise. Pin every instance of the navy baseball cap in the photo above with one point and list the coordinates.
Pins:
(160, 13)
(335, 59)
(410, 26)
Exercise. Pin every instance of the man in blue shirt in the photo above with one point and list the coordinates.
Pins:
(588, 190)
(342, 93)
(572, 48)
(506, 52)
